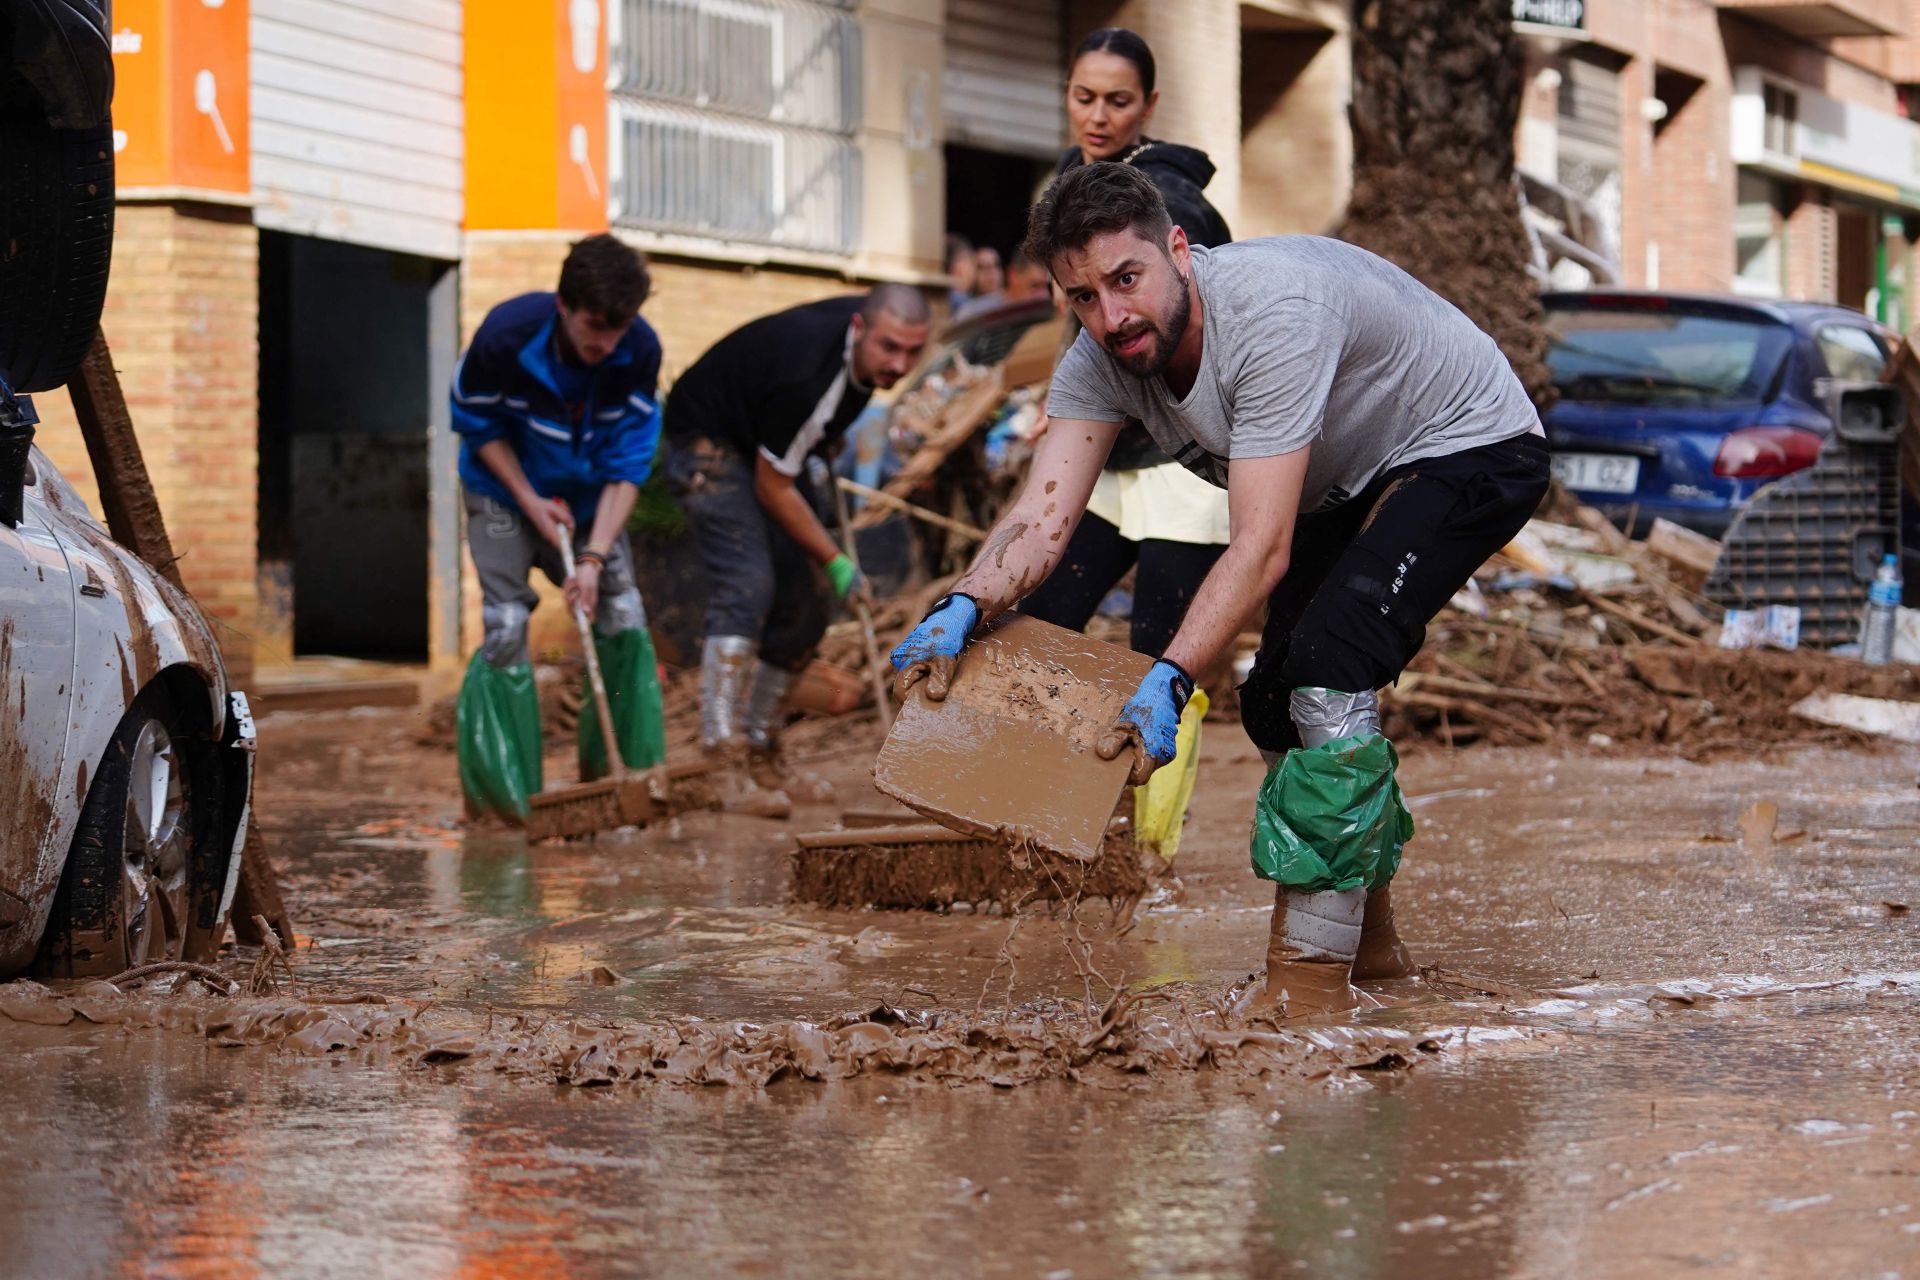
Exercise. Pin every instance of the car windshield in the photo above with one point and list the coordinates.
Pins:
(1650, 352)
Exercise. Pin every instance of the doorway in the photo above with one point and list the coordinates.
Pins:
(350, 381)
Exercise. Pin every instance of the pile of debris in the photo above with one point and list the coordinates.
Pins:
(1575, 636)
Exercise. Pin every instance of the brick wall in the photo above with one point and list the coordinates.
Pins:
(1810, 246)
(1688, 193)
(182, 322)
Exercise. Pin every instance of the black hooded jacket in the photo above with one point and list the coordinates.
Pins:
(1181, 174)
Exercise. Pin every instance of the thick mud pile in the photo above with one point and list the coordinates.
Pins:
(1132, 1036)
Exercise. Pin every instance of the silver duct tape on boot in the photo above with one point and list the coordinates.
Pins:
(763, 703)
(725, 662)
(1324, 715)
(1326, 925)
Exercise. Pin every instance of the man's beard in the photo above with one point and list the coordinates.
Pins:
(1153, 362)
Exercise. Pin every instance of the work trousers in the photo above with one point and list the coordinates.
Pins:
(506, 548)
(761, 584)
(1365, 578)
(1097, 557)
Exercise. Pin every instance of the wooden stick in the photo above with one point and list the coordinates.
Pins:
(885, 499)
(875, 672)
(1477, 689)
(1640, 620)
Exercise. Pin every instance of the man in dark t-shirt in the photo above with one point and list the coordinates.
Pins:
(740, 424)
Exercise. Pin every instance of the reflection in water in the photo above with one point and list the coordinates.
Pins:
(1605, 1154)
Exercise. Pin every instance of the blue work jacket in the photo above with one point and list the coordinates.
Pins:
(508, 388)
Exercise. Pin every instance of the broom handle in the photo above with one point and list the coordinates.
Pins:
(615, 765)
(861, 612)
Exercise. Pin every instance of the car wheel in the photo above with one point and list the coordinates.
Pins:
(145, 872)
(56, 242)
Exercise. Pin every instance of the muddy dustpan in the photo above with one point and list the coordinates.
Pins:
(1010, 753)
(626, 797)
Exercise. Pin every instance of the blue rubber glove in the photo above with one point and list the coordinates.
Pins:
(1150, 722)
(933, 648)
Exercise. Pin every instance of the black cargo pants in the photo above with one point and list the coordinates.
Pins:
(1366, 577)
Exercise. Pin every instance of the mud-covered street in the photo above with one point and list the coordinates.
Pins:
(1650, 1043)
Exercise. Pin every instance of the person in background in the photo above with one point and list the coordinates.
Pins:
(554, 404)
(742, 423)
(988, 275)
(962, 269)
(1027, 280)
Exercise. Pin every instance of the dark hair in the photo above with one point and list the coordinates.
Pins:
(958, 246)
(901, 301)
(1121, 43)
(605, 277)
(1091, 200)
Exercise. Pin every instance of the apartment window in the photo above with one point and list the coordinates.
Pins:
(1758, 237)
(1781, 109)
(735, 119)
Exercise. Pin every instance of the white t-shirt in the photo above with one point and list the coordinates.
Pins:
(1311, 341)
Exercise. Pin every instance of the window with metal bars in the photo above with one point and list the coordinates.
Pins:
(735, 120)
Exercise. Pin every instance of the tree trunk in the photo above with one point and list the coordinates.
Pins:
(1436, 99)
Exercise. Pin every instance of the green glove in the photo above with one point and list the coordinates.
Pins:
(843, 576)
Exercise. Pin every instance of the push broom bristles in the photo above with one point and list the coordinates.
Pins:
(588, 807)
(926, 867)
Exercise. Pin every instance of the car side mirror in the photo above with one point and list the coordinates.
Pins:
(1863, 412)
(16, 440)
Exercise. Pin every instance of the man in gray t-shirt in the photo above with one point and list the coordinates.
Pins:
(1375, 447)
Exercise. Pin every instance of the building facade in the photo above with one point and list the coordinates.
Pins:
(1754, 147)
(320, 199)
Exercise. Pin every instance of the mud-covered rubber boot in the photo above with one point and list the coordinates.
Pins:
(725, 665)
(766, 763)
(1310, 948)
(728, 766)
(1381, 957)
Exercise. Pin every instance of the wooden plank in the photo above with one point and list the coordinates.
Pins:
(1691, 554)
(133, 518)
(126, 491)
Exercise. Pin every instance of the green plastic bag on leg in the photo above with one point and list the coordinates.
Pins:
(1332, 817)
(632, 674)
(497, 735)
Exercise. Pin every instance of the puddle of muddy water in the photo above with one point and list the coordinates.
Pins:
(1721, 1125)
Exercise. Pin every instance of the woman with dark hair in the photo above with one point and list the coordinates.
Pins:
(1146, 511)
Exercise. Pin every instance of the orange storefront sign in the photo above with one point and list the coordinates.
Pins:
(536, 86)
(180, 96)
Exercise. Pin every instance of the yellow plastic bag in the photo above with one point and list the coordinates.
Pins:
(1160, 807)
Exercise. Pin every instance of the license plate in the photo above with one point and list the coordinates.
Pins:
(1597, 472)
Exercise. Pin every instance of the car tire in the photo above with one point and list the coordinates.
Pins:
(148, 864)
(56, 243)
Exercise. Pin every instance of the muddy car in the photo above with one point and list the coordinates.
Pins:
(126, 762)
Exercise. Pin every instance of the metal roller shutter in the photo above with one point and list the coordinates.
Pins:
(356, 119)
(1003, 76)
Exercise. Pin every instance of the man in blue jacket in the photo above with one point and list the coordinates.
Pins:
(555, 405)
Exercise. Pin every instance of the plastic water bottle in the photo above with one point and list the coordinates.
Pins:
(1883, 603)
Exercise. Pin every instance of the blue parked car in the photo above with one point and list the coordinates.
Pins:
(1682, 405)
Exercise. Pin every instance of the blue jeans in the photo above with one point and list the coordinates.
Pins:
(760, 583)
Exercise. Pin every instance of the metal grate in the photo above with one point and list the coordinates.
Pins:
(735, 119)
(1814, 540)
